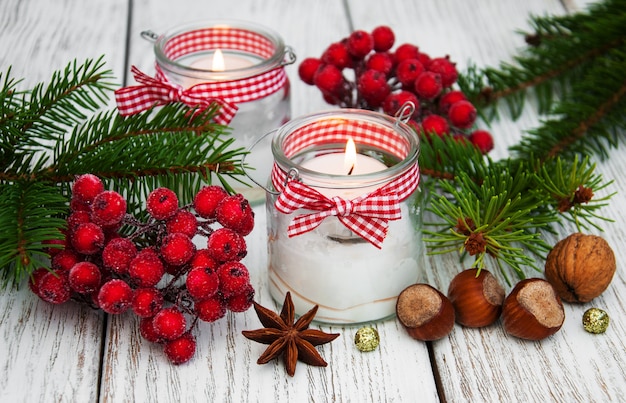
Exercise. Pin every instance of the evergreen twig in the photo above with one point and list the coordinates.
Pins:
(55, 131)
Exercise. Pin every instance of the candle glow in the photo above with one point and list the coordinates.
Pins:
(350, 156)
(218, 61)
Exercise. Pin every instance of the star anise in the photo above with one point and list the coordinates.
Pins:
(295, 341)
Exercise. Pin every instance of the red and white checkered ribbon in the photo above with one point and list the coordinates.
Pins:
(159, 90)
(367, 215)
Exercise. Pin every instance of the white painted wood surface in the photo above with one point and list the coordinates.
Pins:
(69, 353)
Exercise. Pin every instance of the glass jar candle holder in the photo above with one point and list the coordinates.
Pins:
(239, 64)
(344, 224)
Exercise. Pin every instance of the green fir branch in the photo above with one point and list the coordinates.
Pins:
(496, 218)
(574, 67)
(54, 132)
(31, 217)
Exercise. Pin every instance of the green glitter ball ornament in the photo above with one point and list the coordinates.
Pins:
(595, 320)
(366, 339)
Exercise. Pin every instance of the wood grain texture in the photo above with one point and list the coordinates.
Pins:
(487, 365)
(52, 353)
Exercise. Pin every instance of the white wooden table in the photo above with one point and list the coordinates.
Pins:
(73, 354)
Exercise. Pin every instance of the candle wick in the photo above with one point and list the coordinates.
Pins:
(351, 169)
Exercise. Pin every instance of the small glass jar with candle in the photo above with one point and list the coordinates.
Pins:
(242, 63)
(344, 218)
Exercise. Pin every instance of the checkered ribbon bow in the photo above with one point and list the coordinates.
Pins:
(367, 215)
(159, 90)
(153, 91)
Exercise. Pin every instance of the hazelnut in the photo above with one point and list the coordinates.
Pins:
(477, 297)
(533, 310)
(425, 312)
(580, 267)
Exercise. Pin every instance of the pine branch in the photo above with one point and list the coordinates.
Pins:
(574, 66)
(497, 218)
(54, 132)
(30, 217)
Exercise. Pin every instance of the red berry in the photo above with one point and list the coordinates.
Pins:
(162, 203)
(147, 330)
(428, 85)
(462, 114)
(207, 199)
(449, 98)
(118, 253)
(146, 269)
(84, 277)
(115, 296)
(235, 212)
(307, 69)
(210, 309)
(54, 246)
(54, 287)
(406, 51)
(424, 59)
(482, 139)
(225, 244)
(234, 278)
(408, 70)
(76, 218)
(445, 68)
(169, 323)
(183, 222)
(328, 79)
(88, 238)
(180, 350)
(383, 38)
(373, 87)
(64, 260)
(382, 62)
(394, 102)
(202, 282)
(241, 302)
(108, 208)
(435, 124)
(360, 43)
(202, 259)
(147, 302)
(177, 249)
(86, 187)
(35, 276)
(337, 54)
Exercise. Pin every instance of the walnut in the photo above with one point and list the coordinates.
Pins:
(580, 267)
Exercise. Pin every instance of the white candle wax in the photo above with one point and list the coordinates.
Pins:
(253, 119)
(344, 164)
(222, 61)
(349, 279)
(351, 282)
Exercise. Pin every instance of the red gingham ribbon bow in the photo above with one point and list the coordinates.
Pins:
(366, 215)
(158, 90)
(138, 98)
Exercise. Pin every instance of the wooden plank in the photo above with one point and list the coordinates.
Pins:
(486, 364)
(224, 367)
(52, 353)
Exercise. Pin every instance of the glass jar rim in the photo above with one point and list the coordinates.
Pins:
(265, 64)
(324, 180)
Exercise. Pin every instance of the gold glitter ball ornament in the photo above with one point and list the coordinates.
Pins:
(595, 320)
(366, 339)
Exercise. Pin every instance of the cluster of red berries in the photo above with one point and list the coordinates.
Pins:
(386, 80)
(157, 272)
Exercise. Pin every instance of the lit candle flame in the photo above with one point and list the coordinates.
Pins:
(350, 156)
(218, 61)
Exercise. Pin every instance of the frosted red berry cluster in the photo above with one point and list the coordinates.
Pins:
(157, 272)
(384, 79)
